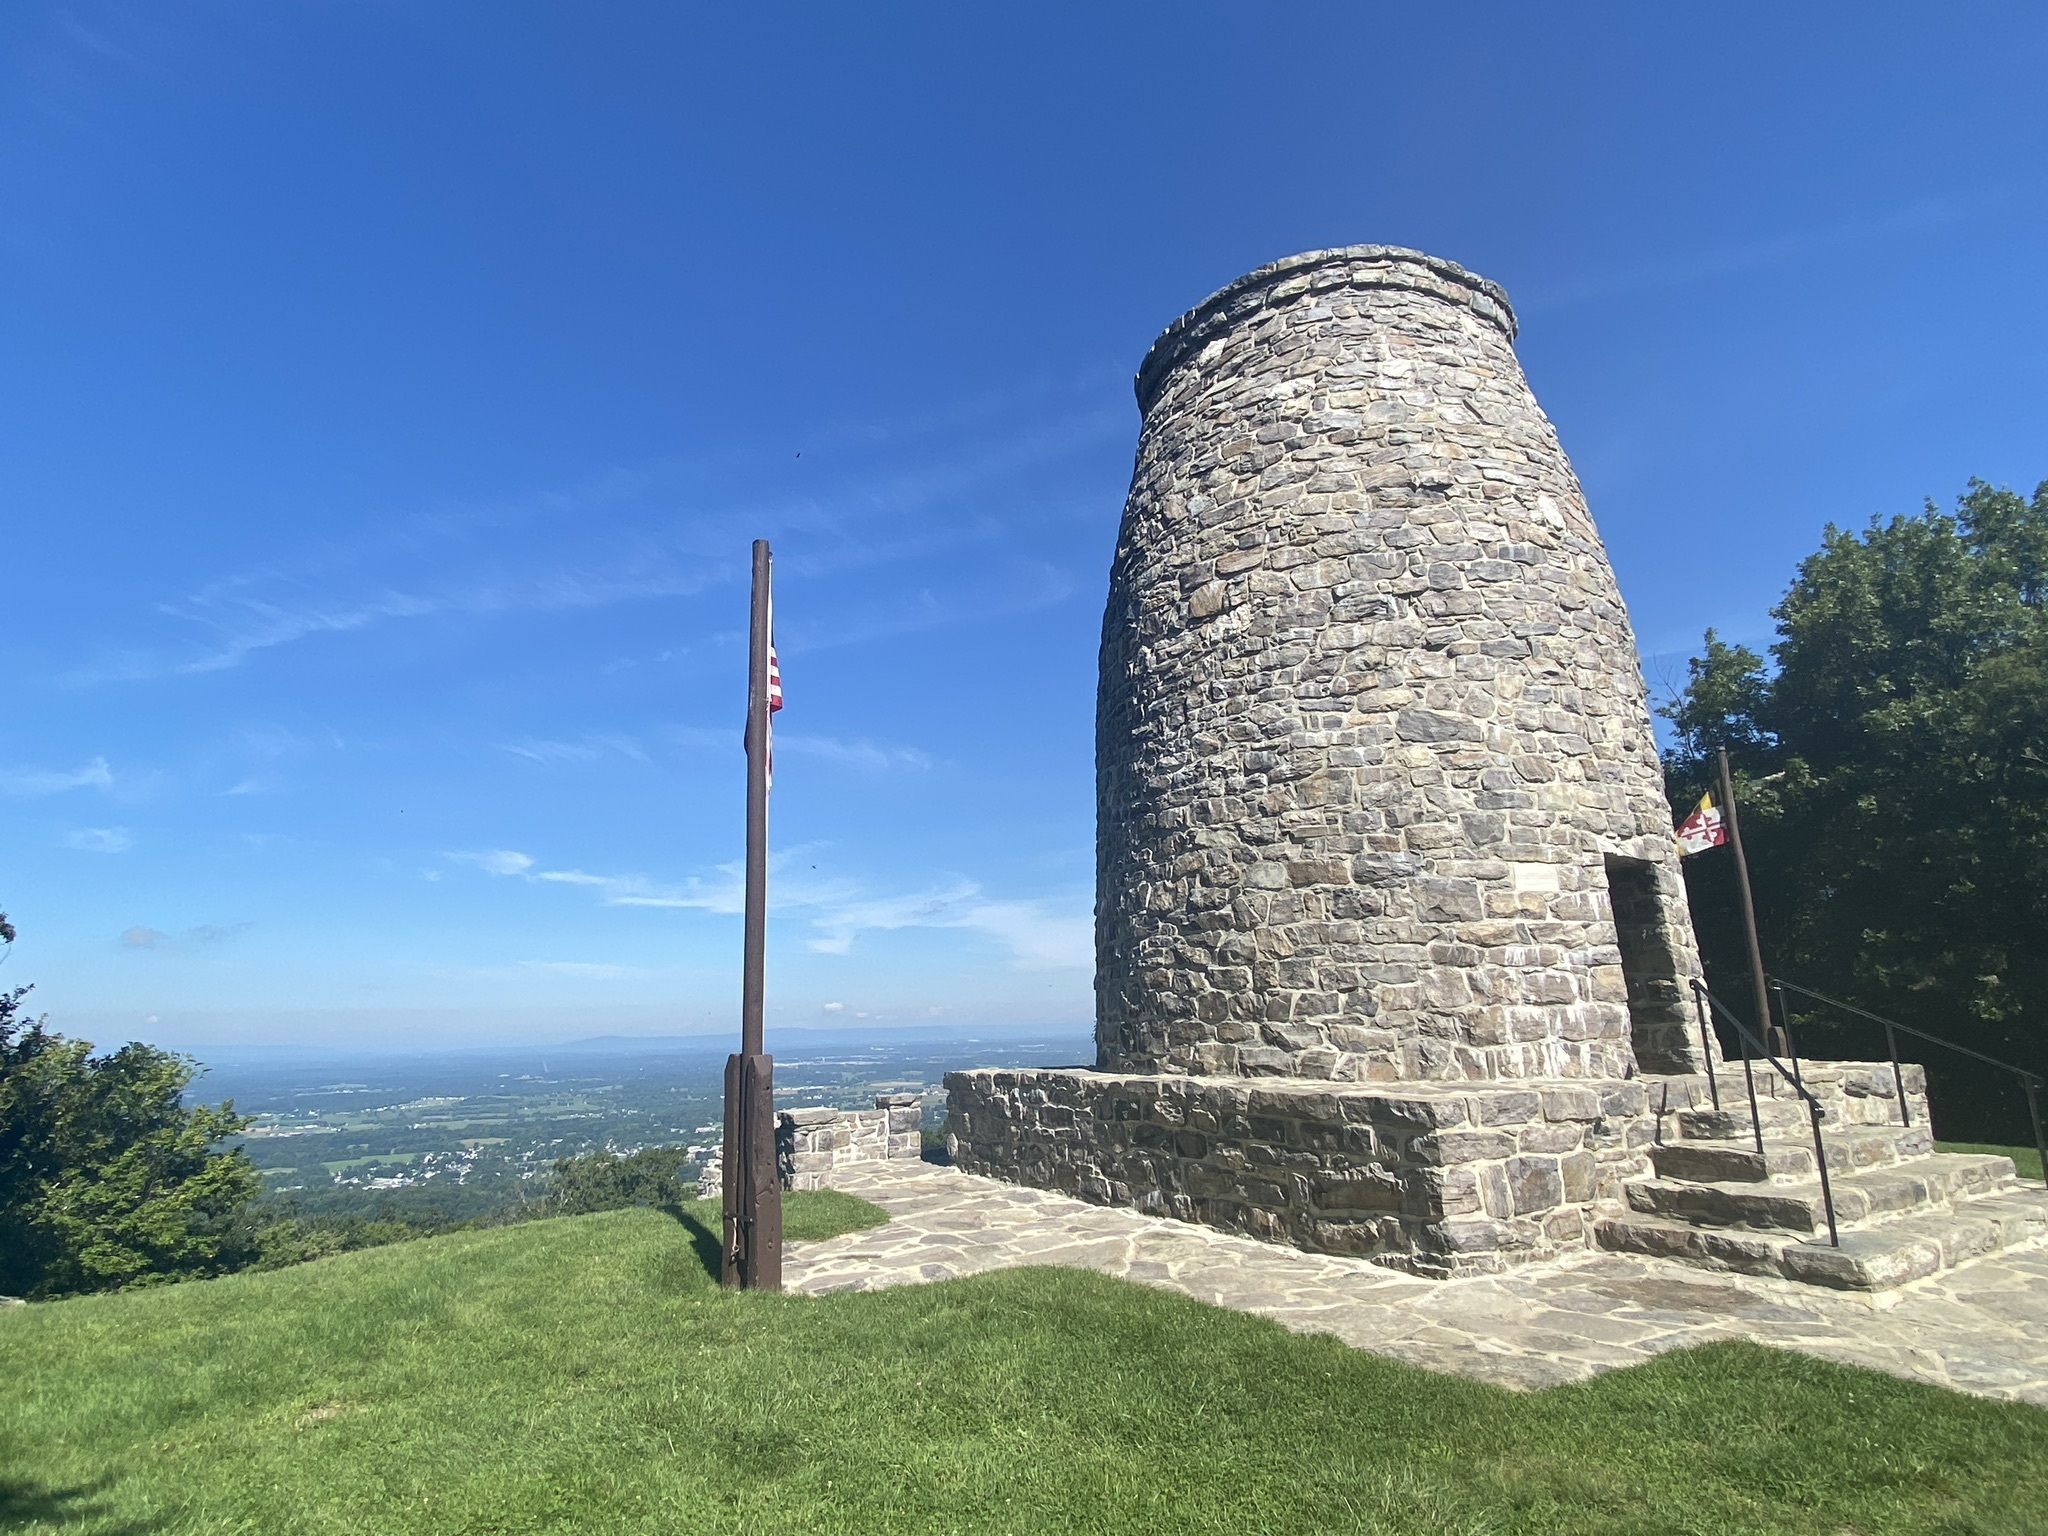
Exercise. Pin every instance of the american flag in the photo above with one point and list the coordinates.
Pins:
(774, 704)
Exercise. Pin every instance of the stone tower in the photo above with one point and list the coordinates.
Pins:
(1392, 952)
(1377, 794)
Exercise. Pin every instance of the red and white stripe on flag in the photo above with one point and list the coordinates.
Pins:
(1703, 829)
(774, 703)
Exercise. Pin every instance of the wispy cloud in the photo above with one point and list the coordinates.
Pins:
(496, 861)
(587, 970)
(99, 840)
(585, 749)
(656, 539)
(1684, 269)
(234, 628)
(1038, 934)
(720, 891)
(92, 774)
(69, 72)
(1021, 586)
(857, 752)
(838, 926)
(871, 756)
(205, 934)
(256, 754)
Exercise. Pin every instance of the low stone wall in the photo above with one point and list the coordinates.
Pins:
(1849, 1092)
(1436, 1179)
(811, 1143)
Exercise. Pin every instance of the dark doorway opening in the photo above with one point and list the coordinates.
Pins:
(1658, 1008)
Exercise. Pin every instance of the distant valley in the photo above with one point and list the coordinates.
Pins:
(456, 1134)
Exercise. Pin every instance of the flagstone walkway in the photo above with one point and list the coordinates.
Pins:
(1981, 1328)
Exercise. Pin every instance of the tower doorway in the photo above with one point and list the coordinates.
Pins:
(1659, 1011)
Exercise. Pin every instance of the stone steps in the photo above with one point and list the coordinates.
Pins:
(1785, 1117)
(1735, 1159)
(1903, 1210)
(1796, 1205)
(1873, 1257)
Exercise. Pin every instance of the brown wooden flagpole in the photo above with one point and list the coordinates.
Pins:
(1759, 993)
(752, 1184)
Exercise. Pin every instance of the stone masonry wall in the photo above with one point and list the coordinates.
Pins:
(1370, 718)
(811, 1143)
(1850, 1093)
(1437, 1179)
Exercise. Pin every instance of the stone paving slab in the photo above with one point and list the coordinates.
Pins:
(1981, 1328)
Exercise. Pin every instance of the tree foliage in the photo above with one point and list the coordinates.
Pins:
(1891, 766)
(107, 1177)
(605, 1181)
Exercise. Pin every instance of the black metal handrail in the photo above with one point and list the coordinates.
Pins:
(2029, 1080)
(1705, 1001)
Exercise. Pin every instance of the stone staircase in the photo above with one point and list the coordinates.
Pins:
(1903, 1210)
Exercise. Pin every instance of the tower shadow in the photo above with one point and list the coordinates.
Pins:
(24, 1502)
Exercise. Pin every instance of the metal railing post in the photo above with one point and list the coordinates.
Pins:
(1820, 1156)
(1891, 1044)
(1699, 999)
(1756, 1121)
(1785, 1027)
(1749, 1040)
(2034, 1109)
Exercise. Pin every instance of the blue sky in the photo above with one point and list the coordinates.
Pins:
(392, 390)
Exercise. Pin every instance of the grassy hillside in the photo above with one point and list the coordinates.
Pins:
(585, 1375)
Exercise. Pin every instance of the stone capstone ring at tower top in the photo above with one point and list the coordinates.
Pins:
(1377, 793)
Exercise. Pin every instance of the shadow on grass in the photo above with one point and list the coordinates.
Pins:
(24, 1503)
(709, 1245)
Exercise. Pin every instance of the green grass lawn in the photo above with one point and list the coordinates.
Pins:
(2026, 1161)
(586, 1375)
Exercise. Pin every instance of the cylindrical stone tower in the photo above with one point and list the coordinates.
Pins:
(1377, 795)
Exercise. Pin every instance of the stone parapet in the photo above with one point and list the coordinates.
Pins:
(810, 1144)
(1319, 274)
(1850, 1093)
(814, 1142)
(1434, 1178)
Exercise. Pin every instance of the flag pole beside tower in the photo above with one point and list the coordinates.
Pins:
(1759, 994)
(752, 1187)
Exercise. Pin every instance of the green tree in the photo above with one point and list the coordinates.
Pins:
(107, 1177)
(1892, 772)
(605, 1181)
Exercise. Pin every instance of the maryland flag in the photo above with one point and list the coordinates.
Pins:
(1703, 829)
